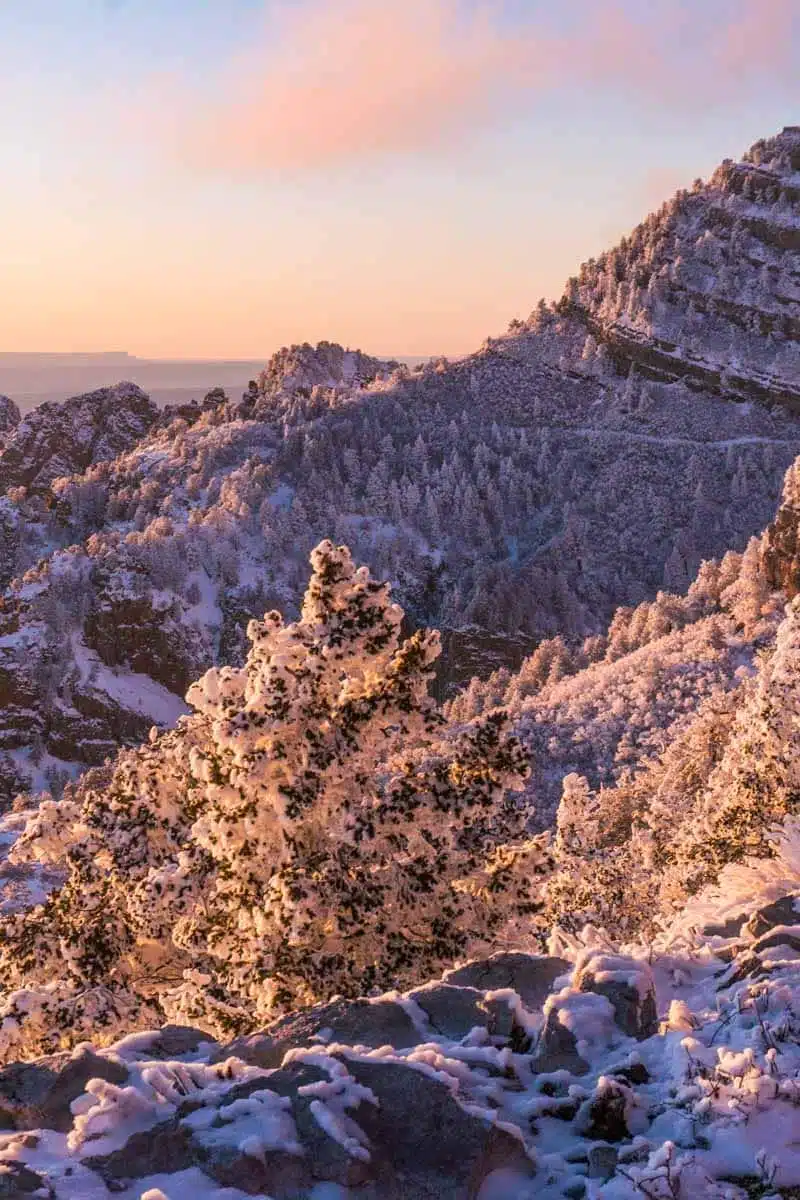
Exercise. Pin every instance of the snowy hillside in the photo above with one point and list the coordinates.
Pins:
(615, 1012)
(325, 941)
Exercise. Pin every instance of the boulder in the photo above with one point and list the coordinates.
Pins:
(782, 935)
(785, 911)
(530, 975)
(558, 1048)
(628, 985)
(18, 1180)
(605, 1115)
(175, 1041)
(39, 1094)
(164, 1149)
(451, 1011)
(421, 1143)
(370, 1023)
(602, 1162)
(725, 929)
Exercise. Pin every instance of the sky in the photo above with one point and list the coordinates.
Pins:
(217, 178)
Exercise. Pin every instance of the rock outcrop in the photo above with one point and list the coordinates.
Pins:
(9, 417)
(705, 292)
(58, 439)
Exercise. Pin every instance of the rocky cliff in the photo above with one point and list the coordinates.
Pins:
(705, 291)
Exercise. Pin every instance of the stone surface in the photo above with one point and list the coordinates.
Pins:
(788, 937)
(785, 911)
(726, 929)
(422, 1144)
(173, 1041)
(628, 985)
(17, 1180)
(602, 1162)
(604, 1115)
(40, 1094)
(558, 1049)
(421, 1138)
(451, 1011)
(352, 1022)
(530, 975)
(9, 416)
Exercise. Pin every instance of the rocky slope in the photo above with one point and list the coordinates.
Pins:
(604, 1075)
(523, 492)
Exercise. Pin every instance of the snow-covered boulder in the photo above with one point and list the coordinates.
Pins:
(380, 1022)
(628, 985)
(785, 911)
(530, 975)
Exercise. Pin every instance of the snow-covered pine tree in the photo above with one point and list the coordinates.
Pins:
(603, 875)
(305, 832)
(756, 785)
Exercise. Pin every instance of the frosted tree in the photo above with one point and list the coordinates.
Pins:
(756, 785)
(306, 831)
(603, 864)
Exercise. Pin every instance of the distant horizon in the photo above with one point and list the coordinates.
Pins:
(31, 378)
(232, 359)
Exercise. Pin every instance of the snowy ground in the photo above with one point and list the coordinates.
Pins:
(590, 1092)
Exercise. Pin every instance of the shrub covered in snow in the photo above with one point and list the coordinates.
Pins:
(304, 832)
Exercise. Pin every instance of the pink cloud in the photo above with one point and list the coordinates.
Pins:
(335, 81)
(352, 78)
(761, 37)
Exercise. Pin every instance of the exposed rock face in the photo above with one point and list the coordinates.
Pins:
(474, 651)
(144, 633)
(780, 548)
(64, 439)
(296, 370)
(704, 292)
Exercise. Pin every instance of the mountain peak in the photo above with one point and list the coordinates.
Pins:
(780, 153)
(300, 366)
